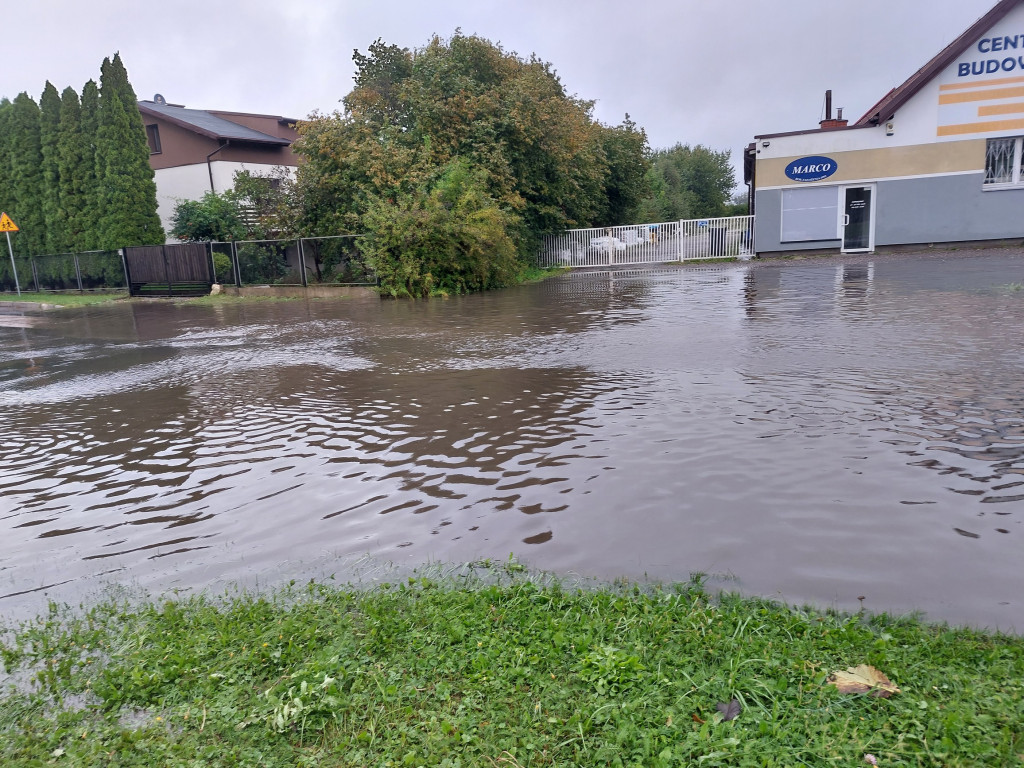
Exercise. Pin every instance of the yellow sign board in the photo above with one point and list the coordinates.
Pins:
(6, 225)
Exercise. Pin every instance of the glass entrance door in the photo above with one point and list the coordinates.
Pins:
(858, 224)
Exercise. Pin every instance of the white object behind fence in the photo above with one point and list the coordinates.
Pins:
(725, 237)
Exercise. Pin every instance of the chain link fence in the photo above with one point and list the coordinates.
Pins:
(335, 260)
(80, 272)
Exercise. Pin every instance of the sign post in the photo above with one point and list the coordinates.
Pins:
(7, 226)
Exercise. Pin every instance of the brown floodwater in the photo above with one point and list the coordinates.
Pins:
(843, 432)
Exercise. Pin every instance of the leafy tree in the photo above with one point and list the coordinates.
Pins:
(531, 149)
(128, 206)
(625, 148)
(26, 175)
(49, 128)
(738, 205)
(688, 182)
(265, 203)
(257, 207)
(214, 217)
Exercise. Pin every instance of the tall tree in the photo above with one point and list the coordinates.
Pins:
(688, 182)
(6, 190)
(529, 148)
(49, 125)
(26, 175)
(128, 205)
(89, 235)
(627, 154)
(75, 164)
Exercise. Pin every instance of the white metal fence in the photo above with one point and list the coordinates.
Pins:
(726, 237)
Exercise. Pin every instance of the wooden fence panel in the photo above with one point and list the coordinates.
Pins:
(146, 263)
(185, 263)
(188, 263)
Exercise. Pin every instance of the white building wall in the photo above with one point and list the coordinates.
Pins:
(191, 182)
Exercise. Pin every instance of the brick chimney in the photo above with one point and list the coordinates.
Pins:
(828, 122)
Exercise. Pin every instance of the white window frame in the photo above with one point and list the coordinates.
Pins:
(1018, 176)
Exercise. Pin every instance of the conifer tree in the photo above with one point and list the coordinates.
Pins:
(49, 123)
(6, 193)
(75, 165)
(91, 202)
(26, 175)
(128, 214)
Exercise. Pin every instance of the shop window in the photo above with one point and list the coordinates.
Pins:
(153, 137)
(810, 214)
(1003, 162)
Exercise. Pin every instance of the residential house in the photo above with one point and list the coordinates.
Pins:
(194, 151)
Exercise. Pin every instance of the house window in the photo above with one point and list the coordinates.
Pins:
(1003, 162)
(153, 137)
(810, 214)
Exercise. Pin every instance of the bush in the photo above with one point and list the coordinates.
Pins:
(452, 238)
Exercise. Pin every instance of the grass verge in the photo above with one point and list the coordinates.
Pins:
(536, 274)
(66, 299)
(468, 672)
(222, 298)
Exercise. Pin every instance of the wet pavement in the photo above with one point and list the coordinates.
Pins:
(817, 431)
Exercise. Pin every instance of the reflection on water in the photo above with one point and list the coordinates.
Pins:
(816, 432)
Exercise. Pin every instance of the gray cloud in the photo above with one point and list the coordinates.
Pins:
(713, 72)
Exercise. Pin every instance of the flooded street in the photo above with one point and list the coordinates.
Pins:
(814, 432)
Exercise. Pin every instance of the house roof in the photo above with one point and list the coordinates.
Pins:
(207, 124)
(901, 94)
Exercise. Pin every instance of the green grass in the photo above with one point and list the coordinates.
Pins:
(223, 298)
(500, 672)
(66, 299)
(536, 274)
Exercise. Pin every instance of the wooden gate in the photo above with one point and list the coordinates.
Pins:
(169, 270)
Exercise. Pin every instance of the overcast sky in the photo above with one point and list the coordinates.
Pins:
(712, 72)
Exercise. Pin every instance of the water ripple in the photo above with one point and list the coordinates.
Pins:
(816, 432)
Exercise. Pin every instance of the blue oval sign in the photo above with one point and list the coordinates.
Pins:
(814, 168)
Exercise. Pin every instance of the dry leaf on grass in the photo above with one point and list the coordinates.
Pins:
(863, 679)
(730, 710)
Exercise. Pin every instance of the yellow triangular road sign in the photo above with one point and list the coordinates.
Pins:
(6, 225)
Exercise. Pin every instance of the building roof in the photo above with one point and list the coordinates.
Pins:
(901, 94)
(210, 125)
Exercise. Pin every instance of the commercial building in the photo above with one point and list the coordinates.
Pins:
(937, 160)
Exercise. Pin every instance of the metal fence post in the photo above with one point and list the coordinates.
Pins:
(78, 274)
(35, 274)
(127, 274)
(302, 265)
(167, 271)
(234, 264)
